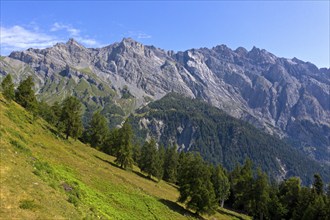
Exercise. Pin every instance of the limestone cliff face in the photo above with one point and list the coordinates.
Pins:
(286, 97)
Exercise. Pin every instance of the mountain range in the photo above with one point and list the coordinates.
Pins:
(287, 98)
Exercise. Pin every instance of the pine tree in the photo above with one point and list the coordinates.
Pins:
(160, 163)
(112, 143)
(8, 89)
(124, 155)
(316, 210)
(241, 187)
(260, 196)
(57, 111)
(45, 111)
(318, 184)
(305, 197)
(171, 163)
(275, 207)
(136, 154)
(70, 118)
(195, 186)
(220, 183)
(289, 194)
(97, 130)
(149, 158)
(25, 95)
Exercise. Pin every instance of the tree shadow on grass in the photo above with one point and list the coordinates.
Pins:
(136, 172)
(144, 176)
(109, 162)
(55, 132)
(179, 209)
(224, 212)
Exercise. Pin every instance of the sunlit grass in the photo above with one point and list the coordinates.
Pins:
(46, 177)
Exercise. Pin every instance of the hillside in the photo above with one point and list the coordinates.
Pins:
(194, 125)
(46, 177)
(286, 97)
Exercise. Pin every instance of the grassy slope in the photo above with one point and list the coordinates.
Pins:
(46, 177)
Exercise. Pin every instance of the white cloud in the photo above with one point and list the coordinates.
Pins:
(31, 36)
(74, 33)
(142, 35)
(137, 34)
(19, 38)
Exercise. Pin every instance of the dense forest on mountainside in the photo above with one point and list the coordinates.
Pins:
(194, 125)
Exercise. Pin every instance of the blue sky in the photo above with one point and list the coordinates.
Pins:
(287, 29)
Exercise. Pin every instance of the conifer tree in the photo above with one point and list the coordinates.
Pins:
(8, 89)
(97, 130)
(316, 210)
(195, 185)
(149, 158)
(318, 184)
(171, 162)
(124, 155)
(136, 154)
(45, 111)
(305, 197)
(57, 111)
(260, 196)
(241, 187)
(71, 117)
(289, 194)
(220, 183)
(275, 207)
(25, 95)
(160, 163)
(112, 143)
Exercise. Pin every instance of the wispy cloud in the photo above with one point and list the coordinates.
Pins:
(31, 36)
(142, 35)
(74, 33)
(137, 35)
(19, 38)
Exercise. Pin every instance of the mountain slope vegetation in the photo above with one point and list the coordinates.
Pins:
(194, 125)
(44, 176)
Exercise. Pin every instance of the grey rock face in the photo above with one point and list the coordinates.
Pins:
(281, 96)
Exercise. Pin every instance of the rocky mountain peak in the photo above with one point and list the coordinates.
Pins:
(72, 44)
(261, 56)
(241, 51)
(131, 46)
(129, 42)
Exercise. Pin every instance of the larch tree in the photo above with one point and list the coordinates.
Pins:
(149, 158)
(8, 89)
(318, 184)
(195, 186)
(171, 162)
(241, 186)
(261, 197)
(70, 119)
(124, 155)
(220, 183)
(25, 95)
(97, 130)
